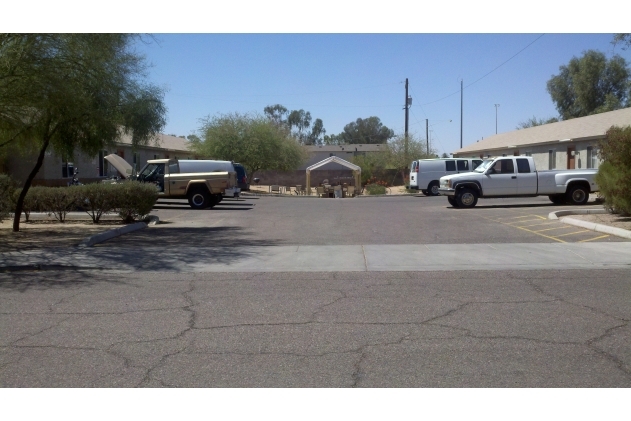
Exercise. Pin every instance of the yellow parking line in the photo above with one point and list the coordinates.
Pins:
(543, 235)
(550, 229)
(543, 223)
(519, 222)
(572, 233)
(595, 238)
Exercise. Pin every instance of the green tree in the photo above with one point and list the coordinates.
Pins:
(624, 39)
(614, 174)
(366, 131)
(589, 85)
(254, 141)
(73, 92)
(534, 121)
(298, 122)
(399, 155)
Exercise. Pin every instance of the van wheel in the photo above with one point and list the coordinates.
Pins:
(433, 188)
(198, 198)
(577, 195)
(466, 198)
(452, 201)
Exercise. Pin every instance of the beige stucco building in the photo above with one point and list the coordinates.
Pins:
(567, 144)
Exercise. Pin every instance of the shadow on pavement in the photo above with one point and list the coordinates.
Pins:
(43, 280)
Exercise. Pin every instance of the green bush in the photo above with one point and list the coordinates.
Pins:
(6, 196)
(614, 174)
(97, 199)
(32, 201)
(59, 201)
(615, 185)
(134, 200)
(375, 189)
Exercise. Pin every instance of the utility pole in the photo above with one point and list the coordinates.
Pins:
(496, 105)
(460, 113)
(427, 134)
(408, 103)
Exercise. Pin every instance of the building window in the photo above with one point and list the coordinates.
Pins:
(592, 157)
(528, 153)
(552, 159)
(67, 169)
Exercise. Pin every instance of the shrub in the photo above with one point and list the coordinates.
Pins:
(32, 201)
(614, 183)
(134, 200)
(375, 189)
(58, 200)
(97, 199)
(614, 174)
(6, 196)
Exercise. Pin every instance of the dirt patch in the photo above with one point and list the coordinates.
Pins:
(49, 234)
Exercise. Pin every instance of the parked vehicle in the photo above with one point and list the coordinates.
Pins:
(242, 177)
(517, 177)
(425, 173)
(203, 182)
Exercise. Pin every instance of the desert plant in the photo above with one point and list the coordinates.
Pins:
(375, 189)
(97, 199)
(614, 174)
(134, 200)
(58, 201)
(32, 201)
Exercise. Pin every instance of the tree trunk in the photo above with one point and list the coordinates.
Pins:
(27, 185)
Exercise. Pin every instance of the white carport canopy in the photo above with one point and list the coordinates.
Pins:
(356, 170)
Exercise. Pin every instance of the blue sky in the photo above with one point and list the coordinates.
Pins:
(348, 59)
(342, 77)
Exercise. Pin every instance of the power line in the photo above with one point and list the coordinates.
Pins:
(479, 79)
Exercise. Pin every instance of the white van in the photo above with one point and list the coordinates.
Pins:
(425, 173)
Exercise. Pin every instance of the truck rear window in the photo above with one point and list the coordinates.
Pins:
(523, 166)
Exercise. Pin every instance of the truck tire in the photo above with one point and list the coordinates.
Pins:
(577, 195)
(432, 188)
(452, 201)
(557, 199)
(198, 198)
(466, 198)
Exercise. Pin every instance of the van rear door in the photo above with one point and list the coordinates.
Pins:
(414, 175)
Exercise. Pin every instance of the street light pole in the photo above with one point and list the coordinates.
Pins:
(496, 105)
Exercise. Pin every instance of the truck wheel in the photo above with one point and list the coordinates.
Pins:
(557, 199)
(466, 198)
(199, 198)
(432, 189)
(577, 195)
(452, 201)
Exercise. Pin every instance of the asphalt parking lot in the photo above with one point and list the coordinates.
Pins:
(369, 221)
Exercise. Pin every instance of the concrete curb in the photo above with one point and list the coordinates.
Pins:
(116, 232)
(619, 232)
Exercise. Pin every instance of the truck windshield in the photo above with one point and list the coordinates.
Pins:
(484, 165)
(151, 172)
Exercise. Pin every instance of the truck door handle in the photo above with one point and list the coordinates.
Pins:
(514, 177)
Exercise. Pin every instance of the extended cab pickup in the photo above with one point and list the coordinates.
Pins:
(203, 182)
(516, 176)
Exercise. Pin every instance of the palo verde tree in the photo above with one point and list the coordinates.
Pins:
(73, 92)
(590, 84)
(254, 141)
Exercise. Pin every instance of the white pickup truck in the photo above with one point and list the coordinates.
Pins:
(516, 176)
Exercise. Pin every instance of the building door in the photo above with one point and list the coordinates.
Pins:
(571, 161)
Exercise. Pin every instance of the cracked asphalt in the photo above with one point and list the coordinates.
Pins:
(527, 328)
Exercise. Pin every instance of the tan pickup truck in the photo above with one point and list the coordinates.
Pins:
(203, 182)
